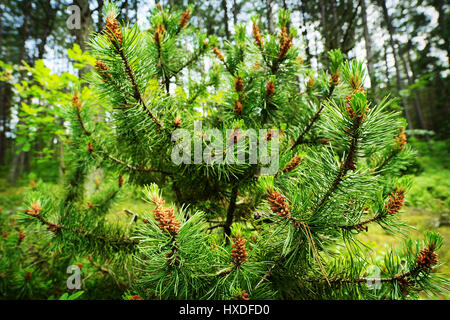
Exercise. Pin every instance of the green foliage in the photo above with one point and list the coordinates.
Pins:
(341, 162)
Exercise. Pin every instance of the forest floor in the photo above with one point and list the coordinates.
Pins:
(427, 208)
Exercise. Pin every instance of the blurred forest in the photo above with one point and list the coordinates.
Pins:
(406, 46)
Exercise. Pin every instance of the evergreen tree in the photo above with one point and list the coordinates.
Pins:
(233, 231)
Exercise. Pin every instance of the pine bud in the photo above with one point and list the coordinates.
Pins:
(27, 276)
(76, 102)
(166, 219)
(33, 184)
(177, 122)
(35, 210)
(21, 236)
(136, 297)
(243, 296)
(295, 161)
(120, 181)
(238, 108)
(257, 35)
(270, 135)
(5, 235)
(158, 35)
(395, 202)
(90, 147)
(285, 42)
(270, 88)
(113, 30)
(239, 85)
(334, 79)
(239, 252)
(218, 54)
(102, 69)
(278, 204)
(184, 19)
(400, 141)
(426, 259)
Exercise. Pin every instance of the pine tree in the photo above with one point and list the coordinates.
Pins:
(233, 232)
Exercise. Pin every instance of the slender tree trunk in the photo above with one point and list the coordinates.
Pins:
(100, 15)
(305, 31)
(17, 164)
(388, 78)
(416, 102)
(86, 26)
(270, 24)
(439, 6)
(368, 43)
(391, 32)
(225, 19)
(235, 12)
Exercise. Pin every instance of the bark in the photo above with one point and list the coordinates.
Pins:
(225, 19)
(270, 24)
(391, 31)
(368, 43)
(439, 6)
(235, 12)
(17, 164)
(100, 23)
(416, 102)
(305, 32)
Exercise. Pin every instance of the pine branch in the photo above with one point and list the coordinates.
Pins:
(300, 139)
(230, 212)
(55, 227)
(137, 94)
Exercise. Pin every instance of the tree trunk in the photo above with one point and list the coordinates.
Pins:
(17, 164)
(86, 26)
(305, 32)
(270, 24)
(391, 31)
(235, 12)
(100, 15)
(439, 6)
(416, 102)
(368, 43)
(225, 19)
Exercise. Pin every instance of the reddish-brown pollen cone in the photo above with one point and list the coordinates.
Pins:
(239, 252)
(396, 200)
(278, 205)
(113, 30)
(166, 219)
(35, 210)
(292, 164)
(426, 259)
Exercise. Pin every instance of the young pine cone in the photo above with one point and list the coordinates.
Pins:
(239, 252)
(166, 219)
(400, 141)
(35, 210)
(257, 35)
(426, 259)
(292, 164)
(184, 19)
(278, 204)
(113, 30)
(238, 108)
(239, 84)
(395, 202)
(243, 296)
(285, 42)
(218, 54)
(76, 102)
